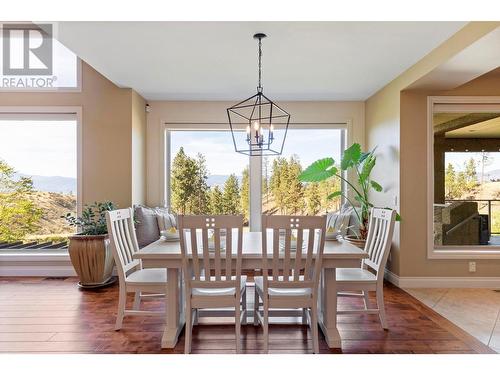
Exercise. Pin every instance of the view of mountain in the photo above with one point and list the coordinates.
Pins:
(492, 175)
(55, 184)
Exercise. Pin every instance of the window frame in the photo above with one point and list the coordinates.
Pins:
(452, 104)
(255, 169)
(33, 255)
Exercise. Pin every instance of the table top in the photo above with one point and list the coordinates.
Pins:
(252, 248)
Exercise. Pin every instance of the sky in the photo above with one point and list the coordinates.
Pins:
(218, 148)
(46, 148)
(457, 159)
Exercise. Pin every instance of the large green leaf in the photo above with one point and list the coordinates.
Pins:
(320, 170)
(351, 156)
(368, 165)
(376, 186)
(334, 194)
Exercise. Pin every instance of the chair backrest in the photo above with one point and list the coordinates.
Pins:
(379, 239)
(296, 266)
(207, 244)
(123, 240)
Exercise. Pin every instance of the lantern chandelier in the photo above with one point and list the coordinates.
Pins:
(264, 122)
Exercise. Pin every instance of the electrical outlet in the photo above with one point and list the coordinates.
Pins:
(472, 266)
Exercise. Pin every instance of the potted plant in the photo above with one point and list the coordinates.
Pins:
(362, 164)
(89, 249)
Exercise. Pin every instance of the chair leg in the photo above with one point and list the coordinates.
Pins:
(122, 300)
(314, 328)
(304, 316)
(196, 315)
(381, 307)
(365, 299)
(237, 326)
(137, 300)
(244, 306)
(265, 327)
(188, 328)
(255, 308)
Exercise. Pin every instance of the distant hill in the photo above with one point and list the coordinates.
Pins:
(54, 205)
(55, 184)
(492, 175)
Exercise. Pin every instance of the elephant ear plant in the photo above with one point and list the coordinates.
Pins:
(352, 159)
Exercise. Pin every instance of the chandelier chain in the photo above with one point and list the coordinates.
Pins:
(259, 88)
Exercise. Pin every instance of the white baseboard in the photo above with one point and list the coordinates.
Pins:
(41, 270)
(442, 282)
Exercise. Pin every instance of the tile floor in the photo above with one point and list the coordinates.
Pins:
(476, 311)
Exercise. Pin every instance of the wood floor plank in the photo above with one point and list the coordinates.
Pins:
(39, 315)
(25, 336)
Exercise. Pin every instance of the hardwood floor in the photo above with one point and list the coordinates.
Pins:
(44, 315)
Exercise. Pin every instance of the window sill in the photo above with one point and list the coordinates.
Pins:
(465, 252)
(33, 256)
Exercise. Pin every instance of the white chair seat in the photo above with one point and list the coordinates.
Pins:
(290, 292)
(219, 291)
(148, 276)
(349, 275)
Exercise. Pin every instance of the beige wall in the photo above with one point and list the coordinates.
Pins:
(200, 112)
(414, 182)
(106, 133)
(402, 159)
(138, 149)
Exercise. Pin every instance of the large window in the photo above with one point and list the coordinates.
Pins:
(38, 180)
(205, 174)
(464, 183)
(282, 191)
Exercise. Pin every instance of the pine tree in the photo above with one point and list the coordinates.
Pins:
(216, 201)
(199, 200)
(245, 193)
(313, 198)
(449, 181)
(183, 182)
(277, 182)
(470, 174)
(231, 196)
(292, 187)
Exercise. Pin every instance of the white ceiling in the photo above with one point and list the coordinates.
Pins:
(218, 60)
(483, 129)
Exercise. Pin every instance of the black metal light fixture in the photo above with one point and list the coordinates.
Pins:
(264, 122)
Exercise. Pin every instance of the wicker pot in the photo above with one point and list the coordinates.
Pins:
(359, 242)
(92, 259)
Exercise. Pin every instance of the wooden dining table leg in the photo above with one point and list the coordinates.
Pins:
(174, 319)
(328, 308)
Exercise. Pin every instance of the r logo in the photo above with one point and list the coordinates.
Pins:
(27, 49)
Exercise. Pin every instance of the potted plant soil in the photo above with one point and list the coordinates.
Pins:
(89, 250)
(362, 163)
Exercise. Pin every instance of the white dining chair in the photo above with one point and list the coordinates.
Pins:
(370, 277)
(290, 277)
(144, 282)
(212, 272)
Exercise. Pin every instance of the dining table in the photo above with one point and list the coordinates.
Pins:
(166, 254)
